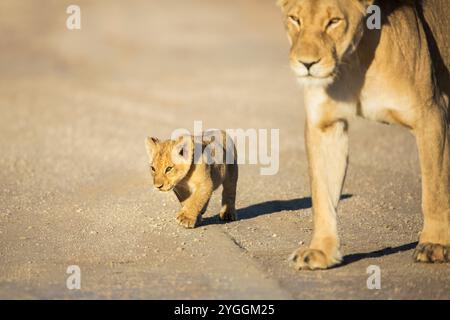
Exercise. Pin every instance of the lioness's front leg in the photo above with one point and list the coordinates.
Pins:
(327, 149)
(432, 134)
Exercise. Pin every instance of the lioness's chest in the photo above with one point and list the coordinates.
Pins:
(385, 104)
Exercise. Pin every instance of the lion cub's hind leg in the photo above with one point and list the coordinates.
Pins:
(204, 209)
(228, 210)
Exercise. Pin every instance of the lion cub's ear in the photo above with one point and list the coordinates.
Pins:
(283, 3)
(151, 144)
(183, 150)
(366, 3)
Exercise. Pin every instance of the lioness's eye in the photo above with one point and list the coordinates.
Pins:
(153, 168)
(333, 22)
(168, 169)
(294, 20)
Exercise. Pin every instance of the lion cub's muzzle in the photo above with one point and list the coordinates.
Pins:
(163, 187)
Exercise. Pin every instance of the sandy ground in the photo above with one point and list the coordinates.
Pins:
(75, 109)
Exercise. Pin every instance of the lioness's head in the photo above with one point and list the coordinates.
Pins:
(170, 161)
(322, 33)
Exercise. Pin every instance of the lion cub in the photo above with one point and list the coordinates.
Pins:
(193, 167)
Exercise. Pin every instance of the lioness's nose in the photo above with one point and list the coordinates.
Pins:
(308, 65)
(159, 186)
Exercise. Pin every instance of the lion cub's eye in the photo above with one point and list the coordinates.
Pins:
(333, 22)
(153, 168)
(295, 20)
(168, 169)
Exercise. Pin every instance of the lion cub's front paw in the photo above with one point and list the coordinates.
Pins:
(432, 253)
(187, 221)
(312, 259)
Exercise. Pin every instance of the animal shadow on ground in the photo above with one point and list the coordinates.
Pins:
(268, 207)
(351, 258)
(274, 206)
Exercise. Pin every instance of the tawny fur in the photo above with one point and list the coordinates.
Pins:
(173, 166)
(400, 75)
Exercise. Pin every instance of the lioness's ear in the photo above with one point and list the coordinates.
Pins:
(151, 144)
(183, 150)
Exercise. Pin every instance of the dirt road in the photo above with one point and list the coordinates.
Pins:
(74, 186)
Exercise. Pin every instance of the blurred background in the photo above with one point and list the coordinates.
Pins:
(75, 107)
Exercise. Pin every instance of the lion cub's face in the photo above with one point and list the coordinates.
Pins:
(322, 33)
(170, 161)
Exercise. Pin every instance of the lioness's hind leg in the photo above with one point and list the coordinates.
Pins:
(228, 210)
(430, 252)
(432, 134)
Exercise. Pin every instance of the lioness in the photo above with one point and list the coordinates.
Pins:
(399, 75)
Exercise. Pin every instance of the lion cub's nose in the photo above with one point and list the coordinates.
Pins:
(159, 186)
(308, 65)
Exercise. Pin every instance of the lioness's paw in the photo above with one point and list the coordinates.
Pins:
(187, 221)
(228, 215)
(312, 259)
(432, 253)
